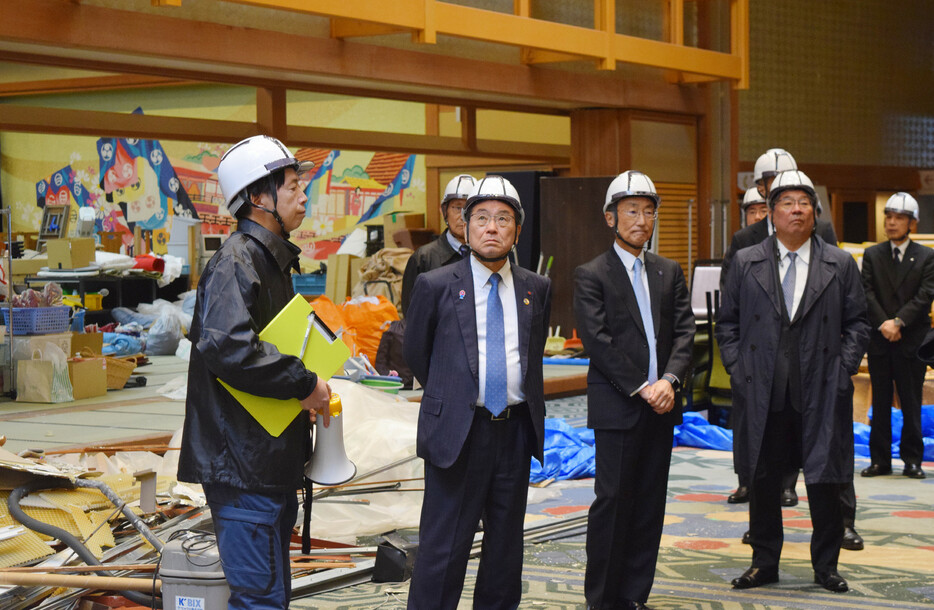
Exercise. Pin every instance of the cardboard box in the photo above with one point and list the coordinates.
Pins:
(23, 267)
(88, 377)
(111, 241)
(339, 282)
(74, 253)
(394, 222)
(94, 342)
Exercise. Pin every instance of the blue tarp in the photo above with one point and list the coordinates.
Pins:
(569, 452)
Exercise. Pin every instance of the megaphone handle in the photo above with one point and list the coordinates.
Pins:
(306, 517)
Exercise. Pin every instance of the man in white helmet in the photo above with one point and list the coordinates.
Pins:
(768, 165)
(898, 275)
(250, 477)
(633, 311)
(475, 338)
(450, 246)
(754, 207)
(792, 330)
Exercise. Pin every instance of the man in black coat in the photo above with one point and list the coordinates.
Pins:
(449, 246)
(475, 341)
(634, 314)
(792, 330)
(249, 476)
(898, 275)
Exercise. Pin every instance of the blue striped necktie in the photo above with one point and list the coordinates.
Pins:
(495, 391)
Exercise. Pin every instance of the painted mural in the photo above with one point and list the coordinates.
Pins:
(139, 183)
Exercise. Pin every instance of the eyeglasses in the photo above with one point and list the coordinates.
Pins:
(633, 214)
(502, 220)
(456, 208)
(787, 203)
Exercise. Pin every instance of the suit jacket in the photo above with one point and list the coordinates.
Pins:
(441, 347)
(905, 292)
(610, 327)
(834, 332)
(757, 232)
(432, 255)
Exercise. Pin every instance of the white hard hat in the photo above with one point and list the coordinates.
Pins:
(902, 203)
(458, 188)
(792, 180)
(773, 161)
(630, 184)
(498, 188)
(751, 197)
(250, 160)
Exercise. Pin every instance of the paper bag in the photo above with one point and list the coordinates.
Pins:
(44, 378)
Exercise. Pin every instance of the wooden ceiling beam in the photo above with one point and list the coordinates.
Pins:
(67, 33)
(84, 84)
(33, 119)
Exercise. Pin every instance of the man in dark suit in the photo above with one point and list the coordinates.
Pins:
(475, 341)
(449, 246)
(634, 315)
(898, 275)
(792, 330)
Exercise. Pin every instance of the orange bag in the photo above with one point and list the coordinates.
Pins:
(367, 318)
(333, 316)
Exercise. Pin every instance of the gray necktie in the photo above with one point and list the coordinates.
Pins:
(788, 284)
(645, 309)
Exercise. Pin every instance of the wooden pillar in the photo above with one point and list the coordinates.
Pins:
(432, 174)
(271, 115)
(601, 141)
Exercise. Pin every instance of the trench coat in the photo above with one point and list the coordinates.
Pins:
(834, 336)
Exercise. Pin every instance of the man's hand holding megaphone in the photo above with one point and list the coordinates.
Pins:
(319, 401)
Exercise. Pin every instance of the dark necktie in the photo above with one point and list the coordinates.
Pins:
(495, 394)
(896, 256)
(464, 250)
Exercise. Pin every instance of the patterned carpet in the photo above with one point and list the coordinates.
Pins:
(701, 549)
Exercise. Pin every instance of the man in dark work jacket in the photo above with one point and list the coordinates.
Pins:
(449, 247)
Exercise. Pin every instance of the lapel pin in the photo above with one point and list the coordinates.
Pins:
(525, 301)
(462, 294)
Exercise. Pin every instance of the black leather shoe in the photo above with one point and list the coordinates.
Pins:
(831, 581)
(740, 496)
(851, 540)
(747, 539)
(789, 497)
(630, 605)
(913, 471)
(875, 470)
(756, 577)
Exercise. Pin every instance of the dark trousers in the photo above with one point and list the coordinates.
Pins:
(907, 376)
(253, 534)
(847, 497)
(624, 526)
(490, 479)
(781, 448)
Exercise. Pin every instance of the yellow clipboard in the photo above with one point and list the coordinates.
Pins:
(324, 354)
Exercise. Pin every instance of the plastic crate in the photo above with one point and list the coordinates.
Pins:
(37, 320)
(309, 283)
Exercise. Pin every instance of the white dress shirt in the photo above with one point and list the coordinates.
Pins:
(801, 270)
(629, 262)
(452, 241)
(902, 249)
(507, 295)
